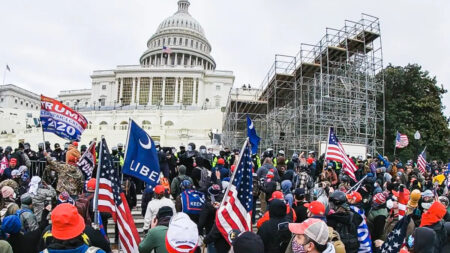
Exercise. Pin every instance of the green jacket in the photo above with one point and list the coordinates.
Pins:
(154, 240)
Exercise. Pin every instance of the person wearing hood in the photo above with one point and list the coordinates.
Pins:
(290, 213)
(155, 238)
(298, 206)
(433, 218)
(175, 189)
(247, 242)
(40, 193)
(274, 232)
(422, 241)
(310, 236)
(286, 186)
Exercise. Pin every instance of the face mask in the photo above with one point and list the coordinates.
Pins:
(426, 206)
(389, 204)
(297, 247)
(174, 151)
(189, 148)
(203, 151)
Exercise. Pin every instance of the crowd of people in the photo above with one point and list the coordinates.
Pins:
(301, 203)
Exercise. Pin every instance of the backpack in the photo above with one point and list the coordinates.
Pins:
(192, 202)
(335, 239)
(205, 178)
(83, 204)
(19, 214)
(349, 235)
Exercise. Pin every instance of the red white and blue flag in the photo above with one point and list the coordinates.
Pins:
(61, 120)
(401, 141)
(335, 152)
(111, 199)
(236, 209)
(87, 161)
(422, 162)
(166, 50)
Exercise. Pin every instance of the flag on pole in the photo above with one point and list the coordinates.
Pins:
(401, 140)
(111, 199)
(335, 152)
(365, 243)
(166, 50)
(396, 238)
(252, 136)
(7, 68)
(87, 161)
(141, 158)
(235, 211)
(421, 162)
(61, 120)
(101, 227)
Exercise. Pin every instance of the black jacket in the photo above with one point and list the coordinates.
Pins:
(216, 237)
(275, 232)
(207, 218)
(300, 211)
(342, 221)
(425, 240)
(441, 234)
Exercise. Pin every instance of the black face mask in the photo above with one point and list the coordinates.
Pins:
(227, 153)
(114, 152)
(120, 149)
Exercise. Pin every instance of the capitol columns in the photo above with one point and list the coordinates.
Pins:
(176, 89)
(138, 90)
(133, 92)
(181, 92)
(121, 90)
(150, 92)
(163, 92)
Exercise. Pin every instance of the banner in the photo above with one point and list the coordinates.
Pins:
(141, 158)
(61, 120)
(87, 161)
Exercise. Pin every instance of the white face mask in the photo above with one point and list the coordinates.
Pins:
(389, 204)
(189, 148)
(203, 151)
(426, 206)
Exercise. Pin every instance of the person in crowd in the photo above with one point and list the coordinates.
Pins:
(310, 236)
(290, 213)
(316, 210)
(286, 186)
(182, 234)
(155, 238)
(40, 193)
(26, 215)
(58, 153)
(175, 189)
(274, 232)
(247, 242)
(434, 218)
(377, 215)
(68, 232)
(155, 204)
(8, 204)
(299, 205)
(12, 166)
(70, 178)
(208, 213)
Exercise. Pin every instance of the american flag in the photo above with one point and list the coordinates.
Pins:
(235, 211)
(421, 162)
(401, 140)
(166, 50)
(111, 199)
(335, 151)
(395, 239)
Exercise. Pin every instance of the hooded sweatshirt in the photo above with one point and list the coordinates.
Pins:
(273, 233)
(286, 188)
(425, 240)
(433, 218)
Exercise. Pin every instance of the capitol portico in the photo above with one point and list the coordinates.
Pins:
(175, 92)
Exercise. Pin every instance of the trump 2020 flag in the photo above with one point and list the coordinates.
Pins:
(61, 120)
(87, 161)
(141, 158)
(252, 136)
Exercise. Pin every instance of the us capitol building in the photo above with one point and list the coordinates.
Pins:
(175, 93)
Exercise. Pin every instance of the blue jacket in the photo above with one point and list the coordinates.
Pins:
(80, 249)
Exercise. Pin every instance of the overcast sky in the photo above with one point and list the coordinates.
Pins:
(55, 45)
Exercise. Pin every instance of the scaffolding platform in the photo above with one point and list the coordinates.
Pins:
(331, 83)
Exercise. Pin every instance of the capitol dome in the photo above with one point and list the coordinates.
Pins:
(179, 41)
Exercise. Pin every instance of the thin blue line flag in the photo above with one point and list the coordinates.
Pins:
(252, 136)
(141, 160)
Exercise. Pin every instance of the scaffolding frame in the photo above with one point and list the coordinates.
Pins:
(329, 84)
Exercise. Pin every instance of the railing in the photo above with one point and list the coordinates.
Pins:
(37, 168)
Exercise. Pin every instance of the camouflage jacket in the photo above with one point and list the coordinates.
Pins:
(43, 193)
(70, 178)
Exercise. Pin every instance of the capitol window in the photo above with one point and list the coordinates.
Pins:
(127, 90)
(217, 101)
(144, 90)
(169, 96)
(185, 42)
(180, 41)
(104, 87)
(217, 87)
(157, 91)
(188, 90)
(168, 41)
(15, 101)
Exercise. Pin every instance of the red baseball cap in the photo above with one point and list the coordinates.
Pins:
(75, 143)
(13, 161)
(67, 223)
(355, 196)
(159, 189)
(221, 161)
(277, 195)
(90, 186)
(316, 208)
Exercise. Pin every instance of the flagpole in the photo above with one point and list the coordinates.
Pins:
(234, 172)
(326, 147)
(97, 183)
(84, 154)
(126, 146)
(395, 145)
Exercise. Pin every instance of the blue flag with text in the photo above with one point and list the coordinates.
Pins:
(141, 158)
(252, 136)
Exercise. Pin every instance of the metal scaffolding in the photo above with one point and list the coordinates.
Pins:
(330, 84)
